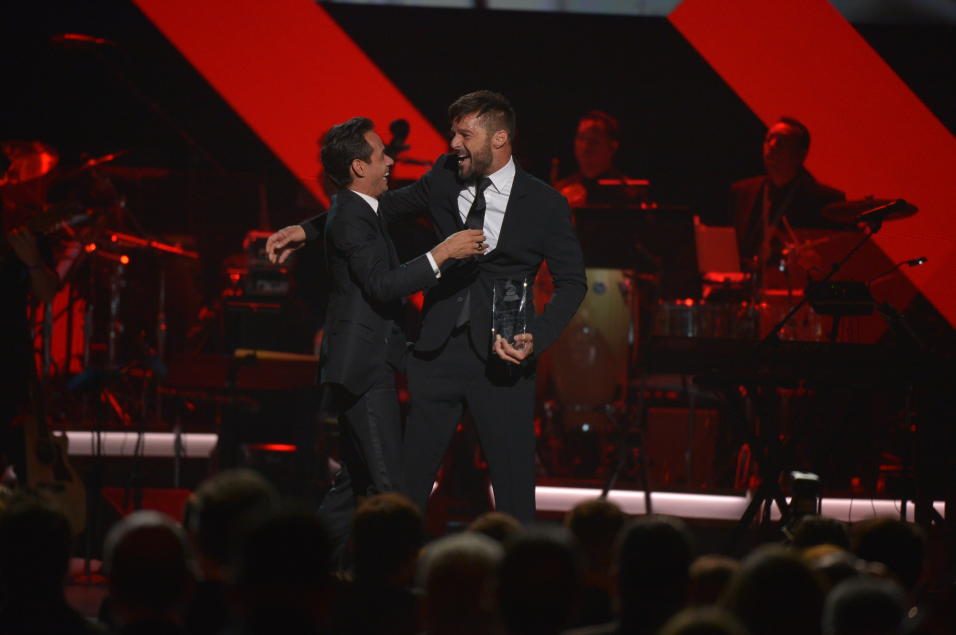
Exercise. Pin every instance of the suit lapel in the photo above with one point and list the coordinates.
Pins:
(382, 227)
(453, 205)
(519, 190)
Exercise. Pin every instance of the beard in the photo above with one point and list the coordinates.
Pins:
(477, 164)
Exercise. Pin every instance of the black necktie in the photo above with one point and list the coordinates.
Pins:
(474, 220)
(476, 213)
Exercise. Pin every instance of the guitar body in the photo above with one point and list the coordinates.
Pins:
(50, 474)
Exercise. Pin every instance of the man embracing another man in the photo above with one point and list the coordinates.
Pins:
(456, 363)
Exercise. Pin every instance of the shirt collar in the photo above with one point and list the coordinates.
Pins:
(503, 179)
(373, 202)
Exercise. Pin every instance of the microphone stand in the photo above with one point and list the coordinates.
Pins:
(873, 225)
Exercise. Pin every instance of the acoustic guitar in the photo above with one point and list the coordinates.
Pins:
(49, 472)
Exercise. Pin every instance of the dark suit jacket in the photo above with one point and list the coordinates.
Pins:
(803, 211)
(365, 306)
(537, 226)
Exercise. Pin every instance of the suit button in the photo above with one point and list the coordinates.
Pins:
(461, 298)
(386, 340)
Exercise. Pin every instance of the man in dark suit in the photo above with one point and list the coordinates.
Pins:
(762, 205)
(364, 343)
(455, 363)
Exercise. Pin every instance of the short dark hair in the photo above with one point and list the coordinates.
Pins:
(222, 507)
(148, 561)
(611, 124)
(341, 145)
(812, 530)
(387, 532)
(494, 110)
(899, 545)
(35, 540)
(802, 131)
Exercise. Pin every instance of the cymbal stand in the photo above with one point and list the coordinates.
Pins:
(873, 226)
(913, 490)
(769, 455)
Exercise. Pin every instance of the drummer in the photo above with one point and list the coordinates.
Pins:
(759, 205)
(595, 145)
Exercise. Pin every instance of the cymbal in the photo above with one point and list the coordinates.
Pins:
(29, 160)
(850, 212)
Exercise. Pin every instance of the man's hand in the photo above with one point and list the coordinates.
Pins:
(460, 245)
(523, 348)
(282, 243)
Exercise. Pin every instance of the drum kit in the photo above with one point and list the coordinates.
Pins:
(100, 319)
(595, 367)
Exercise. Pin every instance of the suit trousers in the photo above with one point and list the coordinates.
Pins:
(371, 433)
(500, 399)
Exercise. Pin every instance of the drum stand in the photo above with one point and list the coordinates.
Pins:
(770, 459)
(628, 419)
(771, 464)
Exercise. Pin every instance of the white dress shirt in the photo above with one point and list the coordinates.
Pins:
(373, 202)
(496, 202)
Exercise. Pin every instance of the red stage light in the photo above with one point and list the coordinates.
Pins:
(291, 72)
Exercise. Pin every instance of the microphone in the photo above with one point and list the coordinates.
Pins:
(399, 129)
(912, 262)
(79, 40)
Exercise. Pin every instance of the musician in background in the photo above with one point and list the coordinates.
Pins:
(25, 271)
(761, 206)
(595, 144)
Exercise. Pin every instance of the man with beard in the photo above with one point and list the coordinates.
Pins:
(455, 363)
(364, 343)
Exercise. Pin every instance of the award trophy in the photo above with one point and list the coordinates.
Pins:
(508, 300)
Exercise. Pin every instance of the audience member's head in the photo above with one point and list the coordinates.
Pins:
(282, 575)
(596, 524)
(34, 551)
(498, 526)
(710, 620)
(540, 581)
(710, 576)
(459, 575)
(865, 606)
(897, 544)
(150, 569)
(219, 511)
(387, 534)
(812, 530)
(832, 564)
(774, 593)
(654, 560)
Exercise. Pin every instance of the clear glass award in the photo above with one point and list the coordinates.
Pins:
(508, 300)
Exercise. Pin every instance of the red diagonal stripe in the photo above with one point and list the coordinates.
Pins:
(871, 134)
(290, 72)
